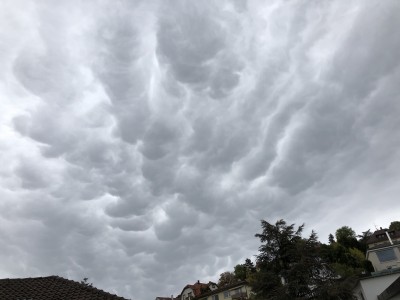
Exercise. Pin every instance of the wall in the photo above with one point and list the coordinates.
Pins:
(379, 266)
(221, 294)
(373, 286)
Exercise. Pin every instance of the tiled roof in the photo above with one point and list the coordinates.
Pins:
(50, 288)
(198, 288)
(224, 288)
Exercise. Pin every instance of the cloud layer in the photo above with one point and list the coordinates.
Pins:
(141, 142)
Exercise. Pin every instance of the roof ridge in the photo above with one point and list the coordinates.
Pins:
(84, 286)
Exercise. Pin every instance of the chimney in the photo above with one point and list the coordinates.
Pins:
(198, 281)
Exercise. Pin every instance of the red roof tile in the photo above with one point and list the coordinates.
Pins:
(50, 288)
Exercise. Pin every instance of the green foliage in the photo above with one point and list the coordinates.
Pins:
(395, 225)
(264, 283)
(346, 262)
(357, 256)
(346, 237)
(331, 238)
(290, 266)
(340, 290)
(226, 278)
(279, 248)
(242, 271)
(362, 240)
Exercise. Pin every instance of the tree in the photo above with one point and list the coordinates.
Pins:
(331, 238)
(292, 267)
(362, 240)
(242, 271)
(226, 278)
(346, 237)
(395, 225)
(250, 268)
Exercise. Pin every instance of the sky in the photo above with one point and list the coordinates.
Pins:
(141, 142)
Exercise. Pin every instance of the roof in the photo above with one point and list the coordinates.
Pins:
(50, 288)
(391, 291)
(224, 288)
(380, 236)
(168, 298)
(199, 288)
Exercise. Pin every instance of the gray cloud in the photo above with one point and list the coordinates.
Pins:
(142, 142)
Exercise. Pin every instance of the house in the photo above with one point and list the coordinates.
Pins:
(210, 291)
(50, 288)
(169, 298)
(192, 291)
(384, 249)
(384, 253)
(236, 291)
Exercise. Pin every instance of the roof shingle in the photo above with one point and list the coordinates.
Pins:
(50, 288)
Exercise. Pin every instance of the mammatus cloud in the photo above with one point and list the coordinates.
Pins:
(141, 142)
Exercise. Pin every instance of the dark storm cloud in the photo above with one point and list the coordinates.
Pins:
(142, 142)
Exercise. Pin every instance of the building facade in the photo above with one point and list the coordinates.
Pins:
(236, 291)
(384, 253)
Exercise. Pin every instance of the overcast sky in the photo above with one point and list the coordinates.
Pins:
(141, 142)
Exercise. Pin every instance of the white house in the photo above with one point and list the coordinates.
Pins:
(384, 254)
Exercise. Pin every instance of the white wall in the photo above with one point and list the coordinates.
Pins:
(374, 286)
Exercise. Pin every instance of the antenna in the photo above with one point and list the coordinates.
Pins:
(376, 228)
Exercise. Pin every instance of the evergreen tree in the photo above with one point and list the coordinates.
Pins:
(291, 267)
(331, 239)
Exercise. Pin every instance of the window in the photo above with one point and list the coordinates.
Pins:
(226, 294)
(214, 297)
(236, 291)
(386, 255)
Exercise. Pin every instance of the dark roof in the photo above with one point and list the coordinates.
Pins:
(380, 236)
(50, 288)
(391, 291)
